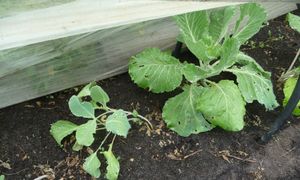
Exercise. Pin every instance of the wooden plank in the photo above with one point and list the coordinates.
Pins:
(86, 16)
(43, 68)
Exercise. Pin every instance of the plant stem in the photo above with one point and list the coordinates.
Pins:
(107, 112)
(103, 141)
(99, 129)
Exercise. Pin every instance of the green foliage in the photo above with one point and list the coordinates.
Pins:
(291, 75)
(2, 177)
(204, 104)
(61, 129)
(117, 123)
(113, 166)
(181, 115)
(222, 105)
(110, 120)
(92, 164)
(294, 21)
(288, 89)
(155, 70)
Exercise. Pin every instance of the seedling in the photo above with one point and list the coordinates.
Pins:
(116, 122)
(203, 103)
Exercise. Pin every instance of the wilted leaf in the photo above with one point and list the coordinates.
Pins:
(113, 166)
(181, 115)
(85, 133)
(99, 95)
(92, 165)
(156, 70)
(61, 129)
(288, 89)
(81, 109)
(118, 123)
(223, 105)
(254, 86)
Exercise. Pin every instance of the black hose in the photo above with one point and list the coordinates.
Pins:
(285, 114)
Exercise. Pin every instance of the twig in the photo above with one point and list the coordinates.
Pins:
(241, 159)
(193, 153)
(41, 177)
(294, 61)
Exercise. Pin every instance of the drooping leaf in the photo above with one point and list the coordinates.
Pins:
(76, 146)
(99, 95)
(61, 129)
(252, 16)
(81, 109)
(113, 166)
(86, 90)
(254, 86)
(219, 22)
(223, 105)
(118, 123)
(288, 89)
(85, 133)
(156, 70)
(244, 59)
(181, 115)
(294, 21)
(92, 165)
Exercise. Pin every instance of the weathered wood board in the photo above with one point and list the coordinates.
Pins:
(42, 68)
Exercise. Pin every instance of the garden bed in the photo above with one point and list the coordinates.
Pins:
(29, 151)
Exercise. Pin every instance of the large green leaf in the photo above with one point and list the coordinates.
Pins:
(2, 177)
(181, 115)
(85, 133)
(81, 109)
(193, 25)
(288, 89)
(156, 70)
(251, 18)
(99, 95)
(92, 165)
(255, 86)
(219, 22)
(113, 166)
(118, 123)
(61, 129)
(223, 105)
(194, 32)
(294, 21)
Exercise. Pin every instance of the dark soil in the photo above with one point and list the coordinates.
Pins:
(28, 150)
